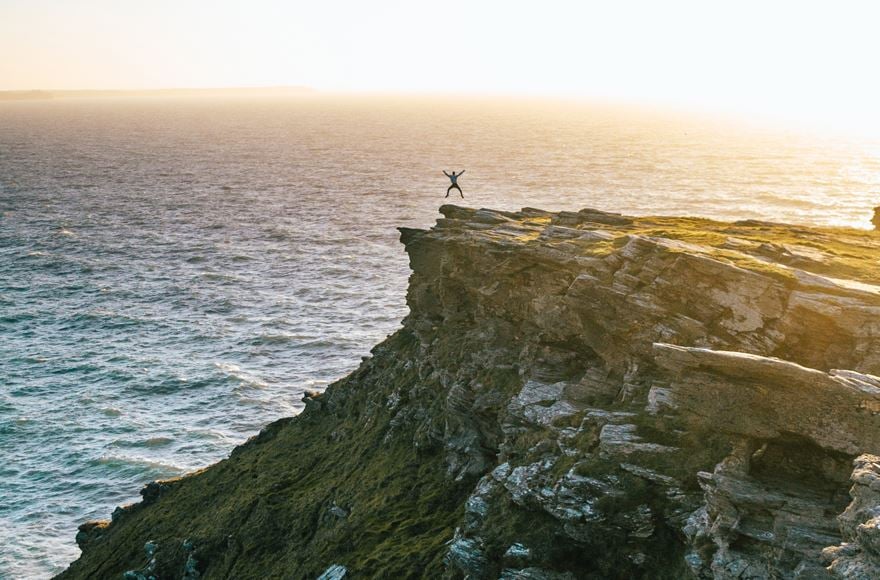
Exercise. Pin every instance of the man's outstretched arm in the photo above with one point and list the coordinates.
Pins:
(462, 171)
(444, 173)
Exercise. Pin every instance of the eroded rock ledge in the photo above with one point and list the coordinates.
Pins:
(573, 395)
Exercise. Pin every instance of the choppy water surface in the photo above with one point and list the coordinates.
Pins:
(174, 273)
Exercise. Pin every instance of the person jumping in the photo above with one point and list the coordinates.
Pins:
(454, 179)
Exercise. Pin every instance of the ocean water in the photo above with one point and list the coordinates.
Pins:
(174, 273)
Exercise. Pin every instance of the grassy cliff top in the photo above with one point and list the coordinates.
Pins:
(848, 257)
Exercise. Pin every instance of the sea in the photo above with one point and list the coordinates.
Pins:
(176, 272)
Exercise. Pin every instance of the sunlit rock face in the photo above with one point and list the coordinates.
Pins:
(573, 395)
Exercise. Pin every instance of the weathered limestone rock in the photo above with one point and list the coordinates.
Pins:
(334, 572)
(755, 396)
(858, 557)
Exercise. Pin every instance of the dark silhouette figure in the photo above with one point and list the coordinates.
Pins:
(454, 179)
(876, 219)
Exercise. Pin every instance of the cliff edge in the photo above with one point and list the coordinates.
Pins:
(573, 395)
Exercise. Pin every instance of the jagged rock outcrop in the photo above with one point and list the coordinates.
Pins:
(573, 395)
(859, 556)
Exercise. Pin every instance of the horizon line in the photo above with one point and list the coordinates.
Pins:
(717, 111)
(35, 93)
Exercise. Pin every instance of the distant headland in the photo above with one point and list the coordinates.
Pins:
(30, 95)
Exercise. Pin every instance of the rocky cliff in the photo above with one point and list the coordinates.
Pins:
(573, 395)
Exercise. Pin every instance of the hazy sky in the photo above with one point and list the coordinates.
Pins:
(791, 58)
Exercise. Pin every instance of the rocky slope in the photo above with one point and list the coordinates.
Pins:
(573, 395)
